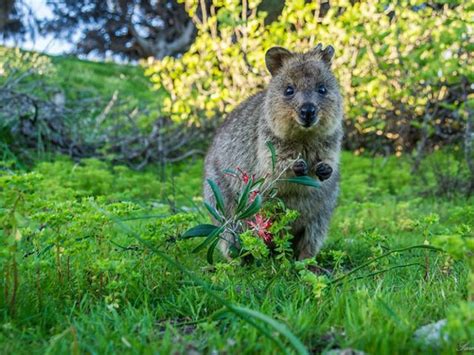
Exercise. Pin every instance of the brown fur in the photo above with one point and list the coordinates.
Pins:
(271, 116)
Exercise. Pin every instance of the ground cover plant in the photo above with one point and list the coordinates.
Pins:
(75, 278)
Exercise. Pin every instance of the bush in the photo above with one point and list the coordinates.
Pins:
(405, 68)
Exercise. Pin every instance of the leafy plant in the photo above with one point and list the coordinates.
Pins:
(255, 196)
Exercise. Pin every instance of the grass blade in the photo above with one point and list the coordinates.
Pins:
(279, 327)
(390, 252)
(271, 147)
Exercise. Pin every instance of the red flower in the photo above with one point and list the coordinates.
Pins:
(260, 226)
(244, 176)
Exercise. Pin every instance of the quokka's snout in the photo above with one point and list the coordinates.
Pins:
(308, 114)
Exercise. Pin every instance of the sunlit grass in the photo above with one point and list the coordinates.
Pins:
(87, 284)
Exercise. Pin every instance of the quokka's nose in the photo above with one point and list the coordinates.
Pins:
(308, 114)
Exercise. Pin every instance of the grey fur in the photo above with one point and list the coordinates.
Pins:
(270, 116)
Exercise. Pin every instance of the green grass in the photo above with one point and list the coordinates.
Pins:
(86, 284)
(86, 79)
(83, 79)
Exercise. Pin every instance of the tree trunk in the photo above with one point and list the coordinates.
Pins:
(6, 7)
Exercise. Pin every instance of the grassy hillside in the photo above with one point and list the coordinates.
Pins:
(79, 78)
(82, 78)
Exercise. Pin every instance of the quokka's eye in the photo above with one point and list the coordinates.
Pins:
(322, 90)
(289, 91)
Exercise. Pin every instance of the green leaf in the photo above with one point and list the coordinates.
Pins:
(209, 239)
(304, 180)
(213, 212)
(252, 209)
(244, 197)
(202, 230)
(231, 172)
(234, 251)
(271, 147)
(258, 182)
(218, 195)
(210, 251)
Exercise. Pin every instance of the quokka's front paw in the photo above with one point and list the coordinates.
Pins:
(323, 171)
(300, 168)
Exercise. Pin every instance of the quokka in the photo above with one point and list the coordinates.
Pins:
(300, 113)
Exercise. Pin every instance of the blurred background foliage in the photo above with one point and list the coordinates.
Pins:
(405, 68)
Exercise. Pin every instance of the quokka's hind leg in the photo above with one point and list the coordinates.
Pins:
(311, 240)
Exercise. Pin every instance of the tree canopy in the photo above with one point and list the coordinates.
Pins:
(16, 19)
(130, 29)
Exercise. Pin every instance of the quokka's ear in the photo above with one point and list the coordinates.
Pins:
(318, 48)
(325, 54)
(275, 57)
(328, 54)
